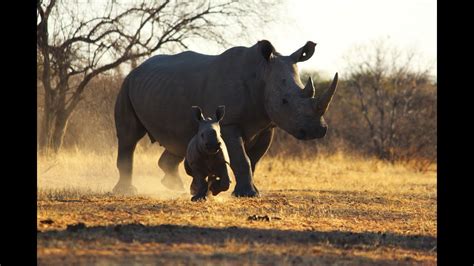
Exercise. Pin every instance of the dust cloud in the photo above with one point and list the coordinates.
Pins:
(97, 173)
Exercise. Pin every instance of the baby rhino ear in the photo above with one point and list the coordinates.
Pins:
(220, 112)
(197, 113)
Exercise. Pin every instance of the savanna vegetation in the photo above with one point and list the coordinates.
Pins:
(364, 194)
(313, 210)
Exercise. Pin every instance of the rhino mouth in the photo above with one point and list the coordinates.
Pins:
(212, 151)
(303, 134)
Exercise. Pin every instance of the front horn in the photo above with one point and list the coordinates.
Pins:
(322, 103)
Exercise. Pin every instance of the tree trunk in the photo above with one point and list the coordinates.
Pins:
(53, 129)
(59, 130)
(43, 136)
(45, 129)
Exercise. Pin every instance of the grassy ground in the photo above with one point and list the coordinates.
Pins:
(334, 209)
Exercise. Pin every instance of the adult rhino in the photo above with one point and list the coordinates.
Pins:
(260, 88)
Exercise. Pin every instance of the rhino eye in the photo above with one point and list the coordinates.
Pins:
(284, 101)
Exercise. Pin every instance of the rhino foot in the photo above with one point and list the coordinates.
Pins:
(199, 198)
(173, 183)
(246, 192)
(218, 186)
(126, 190)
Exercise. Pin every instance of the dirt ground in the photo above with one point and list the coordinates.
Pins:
(334, 209)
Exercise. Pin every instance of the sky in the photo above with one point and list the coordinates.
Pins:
(337, 25)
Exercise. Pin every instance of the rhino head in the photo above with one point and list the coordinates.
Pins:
(292, 106)
(208, 136)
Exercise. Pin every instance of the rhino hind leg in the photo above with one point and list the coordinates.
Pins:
(129, 131)
(169, 163)
(126, 147)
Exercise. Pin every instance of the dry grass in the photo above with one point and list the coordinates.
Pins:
(333, 209)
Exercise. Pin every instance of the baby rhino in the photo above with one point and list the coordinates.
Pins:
(206, 156)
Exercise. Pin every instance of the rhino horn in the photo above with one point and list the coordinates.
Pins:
(308, 90)
(322, 103)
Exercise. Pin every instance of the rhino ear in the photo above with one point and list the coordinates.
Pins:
(220, 112)
(197, 113)
(304, 53)
(266, 49)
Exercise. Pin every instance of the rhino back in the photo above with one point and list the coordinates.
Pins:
(163, 89)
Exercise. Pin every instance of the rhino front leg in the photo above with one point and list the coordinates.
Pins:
(169, 163)
(217, 186)
(239, 162)
(201, 187)
(259, 148)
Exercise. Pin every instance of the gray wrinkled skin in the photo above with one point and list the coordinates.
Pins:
(260, 88)
(206, 157)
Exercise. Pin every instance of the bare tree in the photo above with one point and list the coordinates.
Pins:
(397, 102)
(77, 41)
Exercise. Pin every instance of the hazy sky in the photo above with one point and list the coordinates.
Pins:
(337, 25)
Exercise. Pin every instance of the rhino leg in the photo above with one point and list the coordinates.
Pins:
(129, 132)
(202, 187)
(169, 163)
(195, 186)
(223, 184)
(259, 148)
(125, 166)
(239, 162)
